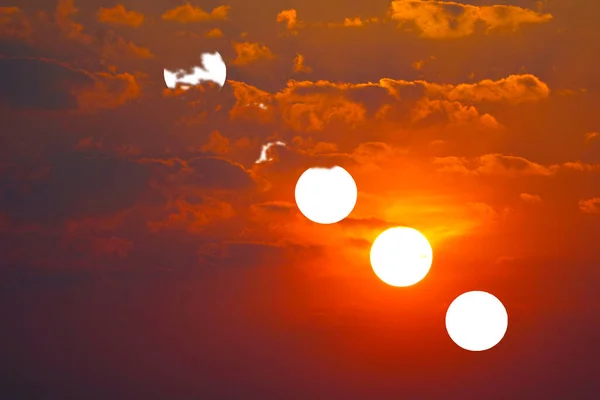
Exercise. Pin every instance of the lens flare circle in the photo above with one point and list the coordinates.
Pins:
(326, 195)
(476, 321)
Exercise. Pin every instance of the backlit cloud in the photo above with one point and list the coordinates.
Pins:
(187, 13)
(65, 10)
(108, 91)
(119, 15)
(58, 86)
(530, 198)
(14, 23)
(353, 22)
(292, 24)
(493, 164)
(590, 206)
(214, 33)
(247, 52)
(217, 144)
(499, 164)
(299, 65)
(512, 89)
(310, 104)
(449, 19)
(589, 136)
(115, 47)
(290, 18)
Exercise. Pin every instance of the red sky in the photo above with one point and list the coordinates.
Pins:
(144, 255)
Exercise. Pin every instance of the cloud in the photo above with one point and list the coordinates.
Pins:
(247, 95)
(493, 164)
(43, 84)
(450, 112)
(308, 106)
(292, 24)
(187, 13)
(214, 33)
(30, 83)
(107, 45)
(247, 52)
(512, 89)
(354, 22)
(193, 216)
(108, 91)
(449, 19)
(273, 207)
(290, 18)
(119, 15)
(530, 198)
(313, 105)
(115, 47)
(590, 206)
(499, 164)
(371, 152)
(217, 144)
(216, 173)
(589, 136)
(299, 65)
(487, 212)
(76, 185)
(418, 65)
(14, 23)
(580, 166)
(65, 9)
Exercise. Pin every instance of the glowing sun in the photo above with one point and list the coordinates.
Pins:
(326, 195)
(401, 256)
(476, 321)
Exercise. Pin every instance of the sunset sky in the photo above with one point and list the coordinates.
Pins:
(145, 255)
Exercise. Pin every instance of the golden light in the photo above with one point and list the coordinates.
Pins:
(401, 256)
(476, 321)
(326, 195)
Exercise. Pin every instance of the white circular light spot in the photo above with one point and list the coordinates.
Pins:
(401, 256)
(326, 195)
(476, 321)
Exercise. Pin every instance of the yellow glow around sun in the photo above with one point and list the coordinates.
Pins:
(401, 256)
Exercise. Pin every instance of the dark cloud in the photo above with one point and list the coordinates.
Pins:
(255, 254)
(75, 185)
(218, 173)
(369, 223)
(10, 48)
(371, 97)
(30, 83)
(279, 207)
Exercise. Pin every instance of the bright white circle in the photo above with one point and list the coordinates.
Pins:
(476, 321)
(326, 195)
(401, 256)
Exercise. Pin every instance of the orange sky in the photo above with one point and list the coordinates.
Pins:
(145, 254)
